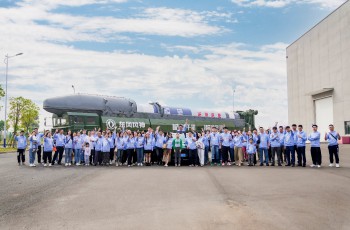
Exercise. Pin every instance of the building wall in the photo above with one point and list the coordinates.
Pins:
(320, 59)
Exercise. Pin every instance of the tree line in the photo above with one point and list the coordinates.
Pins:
(23, 114)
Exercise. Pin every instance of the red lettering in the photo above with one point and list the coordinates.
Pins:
(206, 114)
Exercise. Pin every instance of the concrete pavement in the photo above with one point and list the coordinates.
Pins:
(175, 198)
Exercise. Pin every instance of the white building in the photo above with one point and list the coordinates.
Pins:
(318, 68)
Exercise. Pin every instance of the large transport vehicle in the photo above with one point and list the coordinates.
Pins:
(83, 111)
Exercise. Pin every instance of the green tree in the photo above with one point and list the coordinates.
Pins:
(2, 92)
(24, 113)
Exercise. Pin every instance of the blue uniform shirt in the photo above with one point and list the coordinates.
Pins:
(225, 139)
(264, 140)
(301, 141)
(140, 142)
(275, 140)
(21, 142)
(332, 140)
(98, 145)
(59, 140)
(251, 148)
(149, 144)
(289, 139)
(214, 139)
(160, 141)
(48, 144)
(191, 143)
(119, 143)
(69, 142)
(105, 145)
(314, 139)
(238, 141)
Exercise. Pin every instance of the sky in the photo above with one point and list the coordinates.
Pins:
(179, 53)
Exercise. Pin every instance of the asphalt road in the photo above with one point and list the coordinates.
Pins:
(175, 198)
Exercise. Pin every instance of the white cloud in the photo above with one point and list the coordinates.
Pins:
(49, 67)
(283, 3)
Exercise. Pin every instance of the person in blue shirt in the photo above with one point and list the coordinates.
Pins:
(48, 147)
(68, 148)
(106, 148)
(98, 149)
(21, 146)
(295, 133)
(333, 148)
(140, 140)
(214, 139)
(281, 137)
(59, 142)
(263, 140)
(148, 147)
(289, 146)
(160, 141)
(182, 129)
(119, 143)
(275, 147)
(92, 142)
(238, 143)
(192, 149)
(232, 149)
(130, 148)
(251, 150)
(39, 136)
(225, 140)
(301, 139)
(111, 147)
(205, 136)
(316, 155)
(32, 148)
(169, 147)
(78, 145)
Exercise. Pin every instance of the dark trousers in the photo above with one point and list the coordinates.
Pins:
(301, 155)
(130, 153)
(283, 154)
(159, 152)
(276, 151)
(193, 156)
(92, 156)
(58, 152)
(206, 154)
(20, 156)
(47, 156)
(98, 157)
(106, 158)
(111, 154)
(269, 150)
(38, 152)
(225, 150)
(333, 150)
(316, 155)
(290, 155)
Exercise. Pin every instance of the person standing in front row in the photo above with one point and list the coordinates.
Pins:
(263, 147)
(87, 154)
(48, 147)
(251, 150)
(301, 139)
(21, 147)
(200, 149)
(289, 146)
(177, 146)
(275, 147)
(32, 149)
(332, 137)
(106, 147)
(316, 155)
(59, 138)
(68, 148)
(226, 138)
(214, 138)
(192, 149)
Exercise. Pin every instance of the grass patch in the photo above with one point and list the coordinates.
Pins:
(7, 150)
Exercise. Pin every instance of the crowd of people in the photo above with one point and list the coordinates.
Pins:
(278, 146)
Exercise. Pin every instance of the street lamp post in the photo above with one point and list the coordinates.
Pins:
(233, 100)
(7, 57)
(73, 88)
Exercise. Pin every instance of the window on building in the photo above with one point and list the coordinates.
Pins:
(90, 120)
(347, 127)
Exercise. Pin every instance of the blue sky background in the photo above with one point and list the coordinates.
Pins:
(183, 53)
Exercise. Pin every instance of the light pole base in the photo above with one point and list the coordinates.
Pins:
(4, 142)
